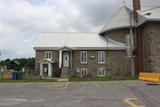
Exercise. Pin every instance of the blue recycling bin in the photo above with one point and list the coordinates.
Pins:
(14, 75)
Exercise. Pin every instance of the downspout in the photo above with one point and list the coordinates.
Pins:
(71, 63)
(107, 55)
(60, 58)
(132, 47)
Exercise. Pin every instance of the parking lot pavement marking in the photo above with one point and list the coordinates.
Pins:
(97, 85)
(130, 102)
(66, 85)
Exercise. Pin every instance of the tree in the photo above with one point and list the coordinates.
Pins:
(19, 63)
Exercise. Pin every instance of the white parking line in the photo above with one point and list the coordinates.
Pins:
(97, 85)
(66, 86)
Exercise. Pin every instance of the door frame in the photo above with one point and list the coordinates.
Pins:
(45, 66)
(49, 66)
(67, 54)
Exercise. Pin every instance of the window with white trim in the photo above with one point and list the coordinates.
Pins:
(101, 57)
(84, 72)
(101, 72)
(83, 57)
(48, 54)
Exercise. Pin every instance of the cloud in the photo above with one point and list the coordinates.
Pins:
(22, 21)
(20, 25)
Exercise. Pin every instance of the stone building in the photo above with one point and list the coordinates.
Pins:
(79, 54)
(144, 27)
(130, 34)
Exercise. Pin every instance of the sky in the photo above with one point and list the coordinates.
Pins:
(22, 21)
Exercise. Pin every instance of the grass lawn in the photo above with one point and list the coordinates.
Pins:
(130, 78)
(72, 79)
(40, 80)
(106, 78)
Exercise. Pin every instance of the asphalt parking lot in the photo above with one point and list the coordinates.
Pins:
(80, 94)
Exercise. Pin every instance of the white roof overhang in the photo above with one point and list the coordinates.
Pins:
(122, 19)
(76, 41)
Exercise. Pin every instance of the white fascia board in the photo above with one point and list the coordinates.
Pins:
(46, 48)
(82, 48)
(115, 28)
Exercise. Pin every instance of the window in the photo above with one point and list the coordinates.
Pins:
(83, 57)
(48, 55)
(84, 72)
(101, 56)
(101, 72)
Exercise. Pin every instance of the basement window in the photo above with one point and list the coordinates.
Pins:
(101, 72)
(84, 72)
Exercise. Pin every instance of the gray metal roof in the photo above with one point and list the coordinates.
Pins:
(152, 14)
(120, 20)
(76, 41)
(124, 18)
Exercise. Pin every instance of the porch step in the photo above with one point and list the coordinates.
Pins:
(64, 73)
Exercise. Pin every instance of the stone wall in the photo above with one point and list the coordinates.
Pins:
(117, 63)
(114, 62)
(40, 55)
(92, 63)
(118, 35)
(151, 46)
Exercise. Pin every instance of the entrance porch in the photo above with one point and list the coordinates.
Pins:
(46, 68)
(65, 61)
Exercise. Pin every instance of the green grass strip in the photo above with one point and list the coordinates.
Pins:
(15, 81)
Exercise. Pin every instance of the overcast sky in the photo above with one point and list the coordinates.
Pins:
(22, 21)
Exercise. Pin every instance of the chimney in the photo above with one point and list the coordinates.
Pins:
(136, 6)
